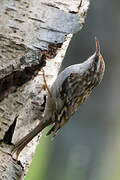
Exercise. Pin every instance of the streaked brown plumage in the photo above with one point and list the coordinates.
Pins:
(71, 88)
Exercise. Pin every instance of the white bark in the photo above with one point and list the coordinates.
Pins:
(32, 33)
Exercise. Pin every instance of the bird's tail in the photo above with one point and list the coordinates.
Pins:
(26, 139)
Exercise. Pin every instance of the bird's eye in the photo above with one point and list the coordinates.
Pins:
(96, 59)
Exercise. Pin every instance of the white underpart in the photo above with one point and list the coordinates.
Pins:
(98, 66)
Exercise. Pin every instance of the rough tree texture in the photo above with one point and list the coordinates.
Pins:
(33, 34)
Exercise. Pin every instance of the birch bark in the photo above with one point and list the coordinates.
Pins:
(33, 34)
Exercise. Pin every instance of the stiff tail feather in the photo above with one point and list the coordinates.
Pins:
(25, 140)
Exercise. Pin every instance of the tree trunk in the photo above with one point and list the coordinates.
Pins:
(33, 34)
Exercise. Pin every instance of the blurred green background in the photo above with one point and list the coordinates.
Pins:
(88, 146)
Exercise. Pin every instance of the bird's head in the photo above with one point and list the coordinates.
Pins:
(95, 65)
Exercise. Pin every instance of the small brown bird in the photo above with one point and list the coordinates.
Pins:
(71, 88)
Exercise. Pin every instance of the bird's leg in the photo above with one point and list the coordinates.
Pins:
(45, 83)
(56, 126)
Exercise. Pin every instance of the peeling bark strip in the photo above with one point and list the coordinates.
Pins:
(33, 34)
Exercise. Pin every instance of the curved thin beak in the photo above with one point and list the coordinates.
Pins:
(97, 47)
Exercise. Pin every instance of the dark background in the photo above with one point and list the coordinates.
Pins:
(88, 146)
